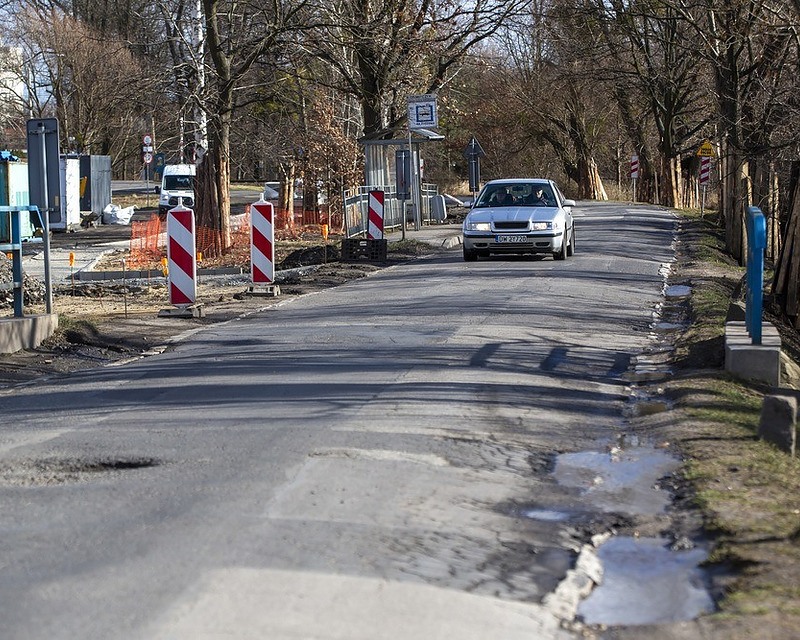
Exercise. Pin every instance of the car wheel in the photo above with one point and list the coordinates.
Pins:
(571, 246)
(470, 256)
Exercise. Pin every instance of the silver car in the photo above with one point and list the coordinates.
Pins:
(518, 216)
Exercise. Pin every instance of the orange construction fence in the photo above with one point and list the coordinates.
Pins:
(149, 238)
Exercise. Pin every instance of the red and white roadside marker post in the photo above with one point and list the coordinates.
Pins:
(705, 152)
(705, 175)
(262, 249)
(375, 216)
(181, 264)
(634, 173)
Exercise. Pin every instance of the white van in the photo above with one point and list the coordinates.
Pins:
(177, 181)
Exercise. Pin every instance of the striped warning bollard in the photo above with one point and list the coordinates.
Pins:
(705, 170)
(181, 265)
(262, 249)
(705, 175)
(375, 217)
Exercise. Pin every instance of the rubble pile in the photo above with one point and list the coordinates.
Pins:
(33, 290)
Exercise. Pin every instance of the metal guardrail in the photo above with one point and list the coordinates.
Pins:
(356, 208)
(756, 243)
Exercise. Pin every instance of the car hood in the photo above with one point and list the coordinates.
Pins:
(514, 214)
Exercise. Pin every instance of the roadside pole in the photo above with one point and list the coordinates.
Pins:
(634, 173)
(705, 153)
(43, 158)
(422, 115)
(473, 152)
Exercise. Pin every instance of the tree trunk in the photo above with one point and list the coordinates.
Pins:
(286, 196)
(786, 281)
(212, 188)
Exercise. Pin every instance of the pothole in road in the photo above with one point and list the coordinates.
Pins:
(624, 478)
(645, 582)
(56, 471)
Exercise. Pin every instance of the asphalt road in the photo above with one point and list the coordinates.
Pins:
(349, 464)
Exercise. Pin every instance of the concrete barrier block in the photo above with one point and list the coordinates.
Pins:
(753, 362)
(778, 424)
(27, 332)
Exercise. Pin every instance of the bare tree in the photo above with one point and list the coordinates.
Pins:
(644, 56)
(742, 42)
(95, 82)
(384, 50)
(238, 34)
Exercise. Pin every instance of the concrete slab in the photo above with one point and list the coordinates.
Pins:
(264, 291)
(753, 362)
(189, 311)
(27, 332)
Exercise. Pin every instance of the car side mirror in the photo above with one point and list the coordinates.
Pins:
(157, 189)
(569, 203)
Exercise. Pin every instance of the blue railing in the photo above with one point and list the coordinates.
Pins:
(756, 243)
(12, 243)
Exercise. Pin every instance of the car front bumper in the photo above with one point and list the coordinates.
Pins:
(484, 242)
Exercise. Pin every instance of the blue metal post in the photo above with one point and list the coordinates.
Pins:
(15, 247)
(756, 243)
(16, 266)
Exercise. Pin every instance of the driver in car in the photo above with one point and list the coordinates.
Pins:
(502, 198)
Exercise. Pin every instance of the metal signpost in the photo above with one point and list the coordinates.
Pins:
(473, 152)
(422, 114)
(147, 159)
(402, 160)
(44, 185)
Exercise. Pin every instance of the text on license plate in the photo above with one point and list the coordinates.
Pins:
(510, 238)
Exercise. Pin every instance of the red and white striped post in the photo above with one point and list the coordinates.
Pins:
(182, 274)
(262, 248)
(262, 243)
(705, 175)
(375, 218)
(705, 170)
(634, 173)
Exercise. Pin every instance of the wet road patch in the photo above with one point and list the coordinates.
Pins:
(622, 479)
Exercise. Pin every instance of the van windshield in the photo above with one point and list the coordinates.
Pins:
(178, 183)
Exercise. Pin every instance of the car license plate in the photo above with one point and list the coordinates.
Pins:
(510, 238)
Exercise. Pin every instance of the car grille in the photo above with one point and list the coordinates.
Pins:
(187, 202)
(512, 225)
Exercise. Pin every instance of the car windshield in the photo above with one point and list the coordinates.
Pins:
(519, 194)
(178, 183)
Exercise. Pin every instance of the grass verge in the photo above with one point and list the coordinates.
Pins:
(747, 490)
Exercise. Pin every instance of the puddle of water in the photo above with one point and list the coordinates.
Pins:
(619, 480)
(665, 327)
(646, 583)
(546, 515)
(678, 291)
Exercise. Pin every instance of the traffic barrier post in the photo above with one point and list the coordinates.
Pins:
(262, 249)
(181, 265)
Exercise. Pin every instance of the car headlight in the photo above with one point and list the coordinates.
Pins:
(541, 226)
(477, 226)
